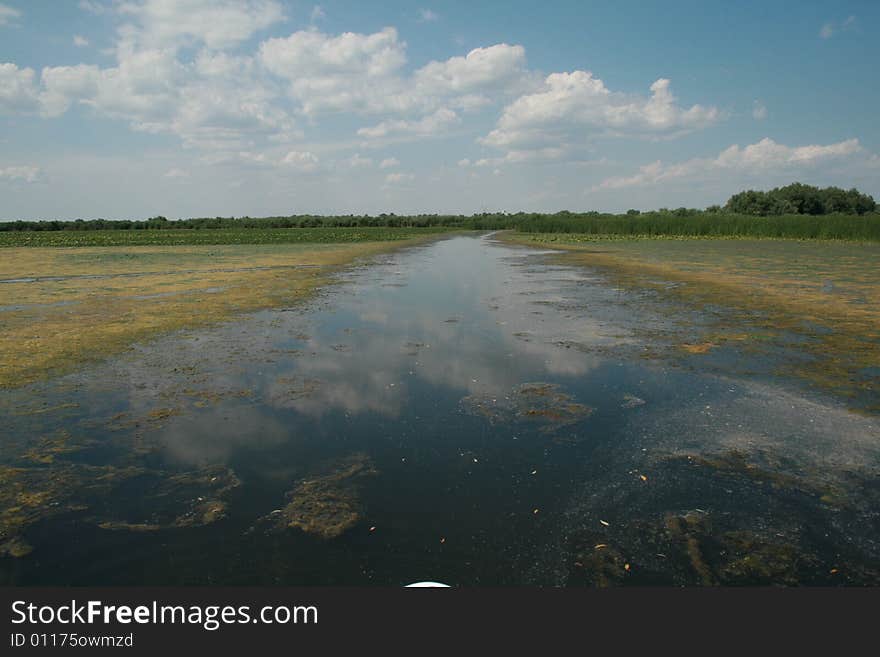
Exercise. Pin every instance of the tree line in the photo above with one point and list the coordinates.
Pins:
(794, 199)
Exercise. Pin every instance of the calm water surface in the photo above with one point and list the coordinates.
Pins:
(463, 411)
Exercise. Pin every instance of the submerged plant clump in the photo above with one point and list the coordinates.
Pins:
(725, 519)
(543, 403)
(328, 504)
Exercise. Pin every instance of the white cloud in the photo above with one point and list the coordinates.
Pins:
(759, 111)
(317, 14)
(176, 174)
(217, 101)
(427, 16)
(180, 69)
(767, 153)
(64, 84)
(398, 178)
(349, 72)
(573, 106)
(217, 24)
(304, 161)
(173, 76)
(363, 73)
(482, 69)
(357, 161)
(26, 174)
(518, 157)
(433, 124)
(761, 157)
(18, 90)
(80, 41)
(8, 15)
(833, 28)
(93, 7)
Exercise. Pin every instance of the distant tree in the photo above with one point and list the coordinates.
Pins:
(798, 198)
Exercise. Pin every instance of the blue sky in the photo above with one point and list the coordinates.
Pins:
(132, 108)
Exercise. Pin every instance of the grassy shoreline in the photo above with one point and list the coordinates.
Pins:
(189, 237)
(82, 304)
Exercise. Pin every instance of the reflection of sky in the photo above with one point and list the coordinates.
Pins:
(397, 345)
(452, 324)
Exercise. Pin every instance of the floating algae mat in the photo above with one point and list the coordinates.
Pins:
(462, 411)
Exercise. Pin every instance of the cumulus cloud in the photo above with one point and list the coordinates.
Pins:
(80, 41)
(363, 73)
(180, 69)
(572, 106)
(317, 14)
(433, 124)
(93, 7)
(216, 101)
(349, 72)
(18, 90)
(761, 157)
(517, 157)
(8, 15)
(481, 69)
(216, 24)
(759, 111)
(304, 161)
(230, 103)
(26, 174)
(356, 161)
(833, 28)
(398, 178)
(62, 85)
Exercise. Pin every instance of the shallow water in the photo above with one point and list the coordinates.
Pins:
(462, 411)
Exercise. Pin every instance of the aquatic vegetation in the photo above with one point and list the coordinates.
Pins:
(16, 548)
(35, 494)
(327, 505)
(28, 495)
(288, 389)
(823, 295)
(751, 558)
(764, 467)
(631, 401)
(46, 449)
(540, 402)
